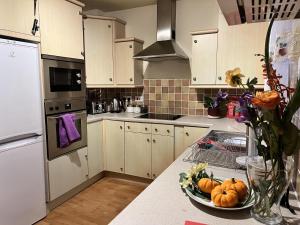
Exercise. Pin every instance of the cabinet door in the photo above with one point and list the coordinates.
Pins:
(124, 67)
(237, 46)
(17, 16)
(98, 52)
(179, 142)
(95, 149)
(192, 134)
(204, 58)
(162, 153)
(67, 172)
(114, 146)
(138, 154)
(61, 29)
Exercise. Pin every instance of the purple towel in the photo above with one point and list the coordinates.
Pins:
(63, 138)
(68, 132)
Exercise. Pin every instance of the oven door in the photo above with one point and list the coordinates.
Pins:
(53, 135)
(64, 79)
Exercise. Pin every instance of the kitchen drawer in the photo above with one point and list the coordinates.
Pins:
(162, 129)
(138, 127)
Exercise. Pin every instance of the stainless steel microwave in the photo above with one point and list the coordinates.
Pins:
(63, 77)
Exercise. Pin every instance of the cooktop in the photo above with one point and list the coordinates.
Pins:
(160, 116)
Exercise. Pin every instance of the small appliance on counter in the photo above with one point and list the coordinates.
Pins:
(117, 106)
(94, 107)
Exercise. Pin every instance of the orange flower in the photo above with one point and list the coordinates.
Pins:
(266, 99)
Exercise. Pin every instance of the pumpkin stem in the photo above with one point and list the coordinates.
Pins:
(211, 176)
(233, 180)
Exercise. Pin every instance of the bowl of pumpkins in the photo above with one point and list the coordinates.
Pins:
(227, 194)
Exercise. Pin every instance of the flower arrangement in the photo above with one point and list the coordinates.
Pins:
(269, 114)
(217, 106)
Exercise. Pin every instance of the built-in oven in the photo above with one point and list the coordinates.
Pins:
(63, 77)
(54, 111)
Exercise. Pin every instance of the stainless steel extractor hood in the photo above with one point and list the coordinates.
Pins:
(252, 11)
(165, 47)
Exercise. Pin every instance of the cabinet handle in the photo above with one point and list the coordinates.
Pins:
(148, 174)
(87, 176)
(187, 134)
(121, 169)
(154, 176)
(155, 129)
(154, 141)
(109, 26)
(146, 128)
(219, 78)
(194, 79)
(168, 131)
(128, 127)
(86, 156)
(131, 79)
(130, 46)
(195, 41)
(110, 79)
(82, 53)
(148, 140)
(121, 127)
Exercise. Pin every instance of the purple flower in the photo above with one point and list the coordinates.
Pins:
(245, 102)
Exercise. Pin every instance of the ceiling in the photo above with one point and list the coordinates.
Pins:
(113, 5)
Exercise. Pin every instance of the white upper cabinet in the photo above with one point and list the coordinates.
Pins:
(100, 33)
(204, 61)
(128, 71)
(214, 52)
(237, 46)
(61, 28)
(17, 17)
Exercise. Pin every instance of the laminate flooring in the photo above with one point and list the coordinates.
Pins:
(96, 205)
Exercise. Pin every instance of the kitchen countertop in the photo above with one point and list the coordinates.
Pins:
(198, 121)
(164, 203)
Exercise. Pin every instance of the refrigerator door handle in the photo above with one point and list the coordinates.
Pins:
(18, 138)
(20, 143)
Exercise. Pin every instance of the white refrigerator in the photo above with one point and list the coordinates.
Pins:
(22, 173)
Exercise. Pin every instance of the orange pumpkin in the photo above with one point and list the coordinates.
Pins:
(207, 184)
(223, 197)
(238, 185)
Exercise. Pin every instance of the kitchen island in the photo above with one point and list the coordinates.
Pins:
(164, 203)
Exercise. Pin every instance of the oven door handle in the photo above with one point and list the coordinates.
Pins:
(77, 114)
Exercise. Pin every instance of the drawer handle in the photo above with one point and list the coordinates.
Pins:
(148, 174)
(128, 127)
(219, 78)
(148, 140)
(187, 134)
(154, 176)
(195, 41)
(155, 129)
(168, 131)
(154, 141)
(121, 127)
(109, 26)
(110, 79)
(146, 128)
(121, 169)
(130, 79)
(130, 46)
(194, 79)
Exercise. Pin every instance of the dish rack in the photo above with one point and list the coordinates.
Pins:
(219, 148)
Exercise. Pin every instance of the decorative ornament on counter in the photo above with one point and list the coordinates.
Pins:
(232, 194)
(269, 114)
(216, 107)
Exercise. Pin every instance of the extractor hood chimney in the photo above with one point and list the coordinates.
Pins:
(165, 47)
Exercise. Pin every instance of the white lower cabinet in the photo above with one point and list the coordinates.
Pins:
(186, 136)
(162, 153)
(114, 146)
(95, 149)
(138, 154)
(67, 172)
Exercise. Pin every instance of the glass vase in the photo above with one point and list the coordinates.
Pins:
(269, 181)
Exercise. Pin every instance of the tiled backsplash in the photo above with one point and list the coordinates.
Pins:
(175, 96)
(107, 94)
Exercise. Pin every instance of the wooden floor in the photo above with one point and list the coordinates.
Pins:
(96, 205)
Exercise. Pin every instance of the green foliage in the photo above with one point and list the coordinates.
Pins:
(293, 105)
(291, 142)
(208, 102)
(250, 84)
